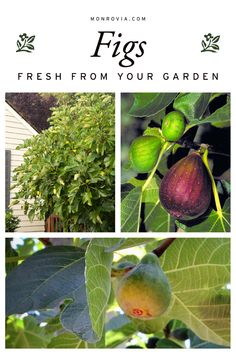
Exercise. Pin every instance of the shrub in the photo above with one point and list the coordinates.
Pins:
(11, 221)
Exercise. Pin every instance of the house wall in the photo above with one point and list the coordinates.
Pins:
(16, 131)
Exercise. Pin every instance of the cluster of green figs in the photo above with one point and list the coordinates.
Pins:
(185, 190)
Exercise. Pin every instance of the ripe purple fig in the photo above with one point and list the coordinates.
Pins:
(185, 191)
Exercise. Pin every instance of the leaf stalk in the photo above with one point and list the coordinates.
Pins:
(213, 184)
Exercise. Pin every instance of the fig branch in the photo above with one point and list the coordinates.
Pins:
(163, 246)
(185, 143)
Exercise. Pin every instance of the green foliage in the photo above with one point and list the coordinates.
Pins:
(198, 306)
(10, 252)
(68, 290)
(119, 329)
(68, 169)
(219, 119)
(66, 340)
(207, 130)
(98, 284)
(130, 211)
(214, 223)
(192, 105)
(148, 104)
(25, 333)
(11, 222)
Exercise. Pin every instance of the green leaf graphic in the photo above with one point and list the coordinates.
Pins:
(30, 39)
(215, 39)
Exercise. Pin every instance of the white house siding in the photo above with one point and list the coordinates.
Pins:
(16, 131)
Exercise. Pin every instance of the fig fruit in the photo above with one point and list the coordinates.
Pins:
(173, 126)
(144, 292)
(144, 152)
(185, 191)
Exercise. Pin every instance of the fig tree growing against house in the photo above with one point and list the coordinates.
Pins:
(68, 169)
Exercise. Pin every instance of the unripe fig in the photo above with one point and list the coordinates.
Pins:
(173, 126)
(144, 152)
(144, 292)
(185, 191)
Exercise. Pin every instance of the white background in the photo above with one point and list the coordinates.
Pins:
(65, 39)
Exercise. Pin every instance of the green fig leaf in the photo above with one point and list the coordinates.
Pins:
(196, 342)
(133, 242)
(158, 118)
(98, 284)
(72, 341)
(157, 219)
(45, 279)
(202, 303)
(214, 222)
(53, 324)
(151, 193)
(130, 211)
(26, 333)
(67, 340)
(153, 132)
(148, 104)
(109, 244)
(127, 173)
(192, 105)
(115, 244)
(118, 330)
(219, 119)
(215, 95)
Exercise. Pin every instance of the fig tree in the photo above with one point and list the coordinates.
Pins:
(144, 152)
(144, 292)
(185, 191)
(173, 126)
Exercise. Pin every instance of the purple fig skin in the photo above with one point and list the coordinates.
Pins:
(185, 191)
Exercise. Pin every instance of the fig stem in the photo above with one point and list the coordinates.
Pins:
(158, 252)
(164, 148)
(194, 145)
(163, 246)
(213, 184)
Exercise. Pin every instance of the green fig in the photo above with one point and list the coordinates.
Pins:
(173, 126)
(144, 152)
(144, 292)
(185, 191)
